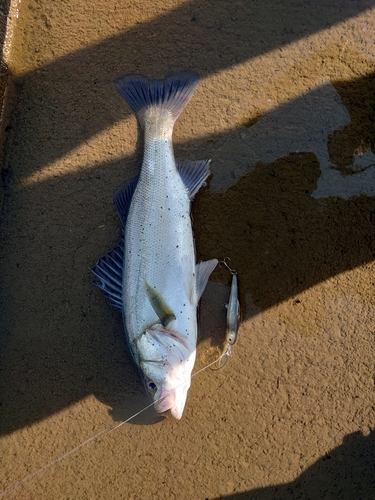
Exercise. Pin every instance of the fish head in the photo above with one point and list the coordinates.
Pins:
(166, 363)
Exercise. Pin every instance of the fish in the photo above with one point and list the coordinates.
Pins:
(153, 276)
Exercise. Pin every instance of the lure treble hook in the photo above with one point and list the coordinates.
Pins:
(232, 271)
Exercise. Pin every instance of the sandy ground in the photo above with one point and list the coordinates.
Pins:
(285, 109)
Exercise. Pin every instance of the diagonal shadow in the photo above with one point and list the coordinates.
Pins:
(53, 319)
(71, 99)
(62, 341)
(345, 473)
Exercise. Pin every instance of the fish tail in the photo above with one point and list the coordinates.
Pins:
(172, 93)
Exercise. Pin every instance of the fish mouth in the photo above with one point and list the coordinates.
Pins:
(166, 401)
(173, 400)
(168, 367)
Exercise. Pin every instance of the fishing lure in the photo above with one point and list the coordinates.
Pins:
(233, 313)
(233, 319)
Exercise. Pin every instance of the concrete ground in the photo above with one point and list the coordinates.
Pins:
(285, 110)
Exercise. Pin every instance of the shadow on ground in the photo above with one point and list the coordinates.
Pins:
(61, 342)
(66, 102)
(347, 472)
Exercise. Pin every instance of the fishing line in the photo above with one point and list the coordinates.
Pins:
(108, 430)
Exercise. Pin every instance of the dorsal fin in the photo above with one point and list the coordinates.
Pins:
(109, 271)
(123, 197)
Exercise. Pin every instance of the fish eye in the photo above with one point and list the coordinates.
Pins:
(151, 386)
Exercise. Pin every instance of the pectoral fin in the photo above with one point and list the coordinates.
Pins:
(203, 270)
(159, 304)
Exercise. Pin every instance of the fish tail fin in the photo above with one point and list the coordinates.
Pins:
(172, 94)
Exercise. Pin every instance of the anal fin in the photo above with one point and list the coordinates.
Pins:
(193, 174)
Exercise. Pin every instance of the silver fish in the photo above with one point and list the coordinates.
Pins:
(153, 276)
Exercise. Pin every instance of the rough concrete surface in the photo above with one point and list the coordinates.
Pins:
(285, 110)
